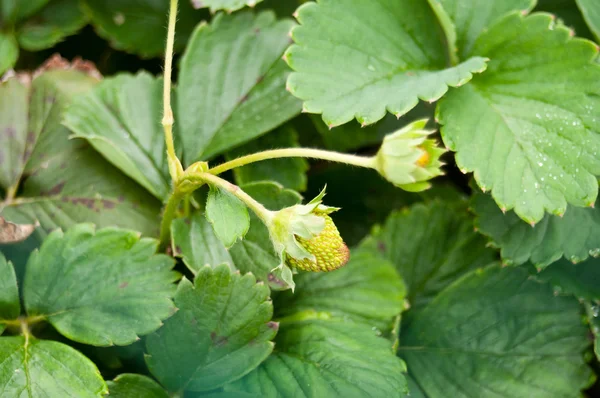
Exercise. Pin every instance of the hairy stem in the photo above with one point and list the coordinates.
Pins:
(175, 168)
(360, 161)
(168, 215)
(201, 178)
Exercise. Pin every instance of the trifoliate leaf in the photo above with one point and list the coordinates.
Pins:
(135, 386)
(289, 172)
(121, 117)
(232, 83)
(60, 182)
(357, 59)
(100, 287)
(228, 216)
(220, 333)
(431, 245)
(9, 49)
(528, 126)
(255, 253)
(194, 240)
(591, 13)
(36, 368)
(60, 18)
(574, 236)
(227, 5)
(10, 307)
(366, 290)
(581, 280)
(471, 18)
(141, 26)
(496, 333)
(326, 358)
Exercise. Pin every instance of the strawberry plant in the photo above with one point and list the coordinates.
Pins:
(302, 198)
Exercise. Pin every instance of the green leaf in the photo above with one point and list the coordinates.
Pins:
(582, 279)
(140, 27)
(9, 50)
(567, 12)
(60, 182)
(194, 240)
(496, 333)
(255, 253)
(366, 290)
(12, 11)
(36, 368)
(121, 118)
(431, 245)
(60, 18)
(471, 18)
(134, 386)
(227, 5)
(220, 333)
(326, 358)
(575, 236)
(100, 287)
(528, 126)
(289, 172)
(10, 307)
(591, 13)
(357, 59)
(592, 311)
(232, 83)
(227, 215)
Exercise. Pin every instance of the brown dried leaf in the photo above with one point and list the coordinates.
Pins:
(13, 233)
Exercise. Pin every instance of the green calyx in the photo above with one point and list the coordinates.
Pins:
(408, 159)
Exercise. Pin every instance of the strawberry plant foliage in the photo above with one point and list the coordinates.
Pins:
(113, 186)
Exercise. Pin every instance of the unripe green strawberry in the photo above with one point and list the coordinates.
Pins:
(327, 247)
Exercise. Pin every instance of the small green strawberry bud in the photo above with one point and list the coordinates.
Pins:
(408, 159)
(328, 248)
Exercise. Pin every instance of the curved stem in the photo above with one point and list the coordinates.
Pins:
(175, 168)
(360, 161)
(262, 212)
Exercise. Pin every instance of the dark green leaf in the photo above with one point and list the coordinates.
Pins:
(591, 13)
(220, 333)
(141, 26)
(255, 253)
(121, 117)
(12, 11)
(366, 290)
(431, 245)
(528, 126)
(496, 333)
(9, 50)
(60, 18)
(473, 17)
(227, 215)
(289, 172)
(36, 368)
(581, 280)
(100, 287)
(10, 308)
(326, 358)
(194, 240)
(574, 236)
(593, 310)
(357, 59)
(232, 83)
(135, 386)
(61, 182)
